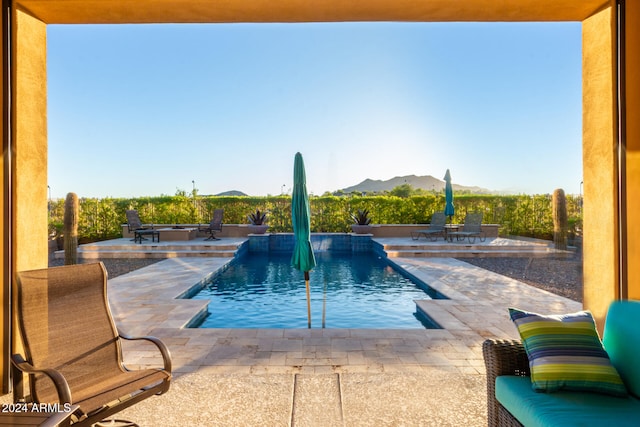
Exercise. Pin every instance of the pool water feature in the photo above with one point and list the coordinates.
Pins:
(347, 291)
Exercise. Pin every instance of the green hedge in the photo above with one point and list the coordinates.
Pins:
(522, 215)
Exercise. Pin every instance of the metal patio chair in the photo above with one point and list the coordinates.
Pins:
(72, 348)
(436, 228)
(471, 229)
(214, 226)
(135, 226)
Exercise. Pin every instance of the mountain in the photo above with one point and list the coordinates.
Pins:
(231, 193)
(427, 182)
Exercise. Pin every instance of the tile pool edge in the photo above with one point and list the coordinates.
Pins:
(432, 292)
(375, 250)
(197, 287)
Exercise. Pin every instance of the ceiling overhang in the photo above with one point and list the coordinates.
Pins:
(220, 11)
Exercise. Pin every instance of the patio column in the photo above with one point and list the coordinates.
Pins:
(5, 228)
(601, 240)
(28, 186)
(632, 83)
(29, 156)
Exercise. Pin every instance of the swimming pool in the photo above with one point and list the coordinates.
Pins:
(347, 291)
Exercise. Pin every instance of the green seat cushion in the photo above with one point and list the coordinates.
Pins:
(621, 339)
(564, 408)
(565, 352)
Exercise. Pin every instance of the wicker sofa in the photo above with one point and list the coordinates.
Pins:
(511, 401)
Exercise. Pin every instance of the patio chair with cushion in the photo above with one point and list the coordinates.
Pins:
(471, 228)
(560, 373)
(436, 228)
(135, 226)
(214, 226)
(72, 348)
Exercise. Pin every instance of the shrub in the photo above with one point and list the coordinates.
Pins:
(523, 215)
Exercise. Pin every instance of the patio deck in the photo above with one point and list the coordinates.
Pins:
(324, 377)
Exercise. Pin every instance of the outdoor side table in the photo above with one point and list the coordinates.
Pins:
(450, 228)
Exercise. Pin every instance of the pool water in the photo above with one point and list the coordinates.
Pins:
(347, 291)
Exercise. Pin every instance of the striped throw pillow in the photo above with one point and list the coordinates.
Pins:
(565, 353)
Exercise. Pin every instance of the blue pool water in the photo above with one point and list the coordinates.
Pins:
(347, 290)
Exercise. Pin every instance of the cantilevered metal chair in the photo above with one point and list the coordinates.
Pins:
(72, 349)
(214, 226)
(135, 226)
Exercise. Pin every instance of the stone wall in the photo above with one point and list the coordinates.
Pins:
(378, 230)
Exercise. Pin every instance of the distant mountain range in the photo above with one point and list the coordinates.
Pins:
(427, 182)
(232, 193)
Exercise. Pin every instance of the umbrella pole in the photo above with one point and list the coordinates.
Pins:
(324, 304)
(306, 282)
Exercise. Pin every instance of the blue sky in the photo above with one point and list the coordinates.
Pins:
(145, 110)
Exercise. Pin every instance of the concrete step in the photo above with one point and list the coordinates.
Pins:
(457, 249)
(148, 254)
(466, 253)
(126, 248)
(467, 247)
(145, 247)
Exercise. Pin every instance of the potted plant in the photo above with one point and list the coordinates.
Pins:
(361, 222)
(257, 222)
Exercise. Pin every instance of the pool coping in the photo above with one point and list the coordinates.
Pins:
(201, 315)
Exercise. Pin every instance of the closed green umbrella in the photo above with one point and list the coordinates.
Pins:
(449, 210)
(303, 258)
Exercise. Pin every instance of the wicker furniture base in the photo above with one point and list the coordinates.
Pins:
(502, 357)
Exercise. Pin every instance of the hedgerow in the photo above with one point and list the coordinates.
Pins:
(522, 215)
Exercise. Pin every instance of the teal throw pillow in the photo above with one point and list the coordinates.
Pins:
(566, 353)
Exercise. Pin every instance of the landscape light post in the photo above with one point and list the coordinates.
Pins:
(195, 208)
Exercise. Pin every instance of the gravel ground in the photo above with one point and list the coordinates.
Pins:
(115, 266)
(561, 276)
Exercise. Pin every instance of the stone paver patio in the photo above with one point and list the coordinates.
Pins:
(317, 377)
